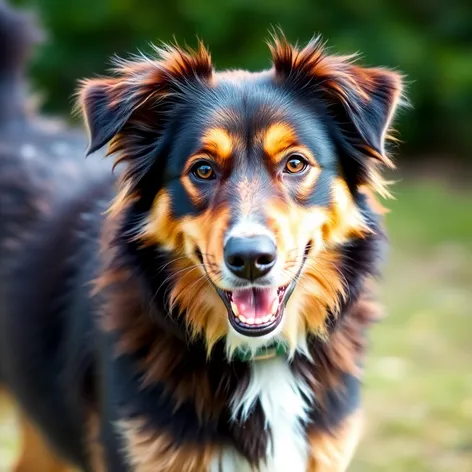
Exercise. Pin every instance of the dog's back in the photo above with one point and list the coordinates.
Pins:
(51, 206)
(41, 161)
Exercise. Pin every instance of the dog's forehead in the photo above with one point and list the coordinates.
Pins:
(247, 107)
(269, 138)
(258, 113)
(249, 115)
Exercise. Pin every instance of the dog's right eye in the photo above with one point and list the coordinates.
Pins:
(203, 171)
(296, 164)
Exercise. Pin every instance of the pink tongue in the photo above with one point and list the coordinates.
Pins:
(255, 303)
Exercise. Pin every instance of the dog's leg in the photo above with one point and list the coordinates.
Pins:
(35, 454)
(333, 451)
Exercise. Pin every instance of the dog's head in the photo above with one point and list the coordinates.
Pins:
(247, 181)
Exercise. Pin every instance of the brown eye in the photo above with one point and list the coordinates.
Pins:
(203, 171)
(295, 164)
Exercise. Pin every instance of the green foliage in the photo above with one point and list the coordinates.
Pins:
(430, 41)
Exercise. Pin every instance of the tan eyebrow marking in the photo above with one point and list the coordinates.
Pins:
(277, 138)
(218, 142)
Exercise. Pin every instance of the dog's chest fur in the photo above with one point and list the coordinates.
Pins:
(285, 400)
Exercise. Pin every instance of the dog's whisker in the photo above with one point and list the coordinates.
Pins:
(335, 267)
(174, 275)
(321, 275)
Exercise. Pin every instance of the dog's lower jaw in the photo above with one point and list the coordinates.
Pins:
(287, 339)
(249, 345)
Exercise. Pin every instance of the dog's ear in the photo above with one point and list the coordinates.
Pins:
(361, 100)
(107, 105)
(140, 91)
(129, 111)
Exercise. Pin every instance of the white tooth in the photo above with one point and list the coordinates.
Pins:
(266, 318)
(258, 321)
(250, 321)
(242, 318)
(235, 309)
(275, 305)
(272, 318)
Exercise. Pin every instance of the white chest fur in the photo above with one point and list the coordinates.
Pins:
(284, 400)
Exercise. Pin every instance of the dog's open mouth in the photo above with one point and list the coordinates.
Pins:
(256, 311)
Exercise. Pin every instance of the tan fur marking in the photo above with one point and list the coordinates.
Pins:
(318, 291)
(122, 200)
(332, 452)
(180, 62)
(204, 310)
(307, 184)
(191, 190)
(219, 143)
(372, 200)
(320, 284)
(35, 454)
(191, 291)
(346, 219)
(160, 227)
(277, 138)
(152, 451)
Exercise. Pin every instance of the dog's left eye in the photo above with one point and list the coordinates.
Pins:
(296, 164)
(203, 171)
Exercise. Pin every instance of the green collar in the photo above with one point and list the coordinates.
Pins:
(263, 353)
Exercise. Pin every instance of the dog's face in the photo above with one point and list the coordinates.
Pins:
(247, 181)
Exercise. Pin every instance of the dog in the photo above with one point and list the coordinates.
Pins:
(205, 306)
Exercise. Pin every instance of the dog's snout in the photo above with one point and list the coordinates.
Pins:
(250, 258)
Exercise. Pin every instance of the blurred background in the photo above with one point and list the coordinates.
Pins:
(418, 383)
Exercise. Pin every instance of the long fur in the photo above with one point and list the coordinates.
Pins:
(113, 338)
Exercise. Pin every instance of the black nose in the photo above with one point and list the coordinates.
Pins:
(250, 258)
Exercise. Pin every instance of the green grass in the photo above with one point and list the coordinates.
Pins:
(418, 382)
